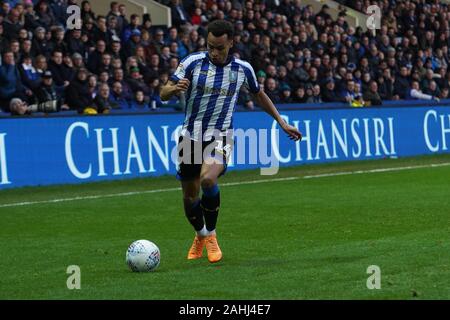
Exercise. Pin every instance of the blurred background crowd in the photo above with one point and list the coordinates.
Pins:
(120, 60)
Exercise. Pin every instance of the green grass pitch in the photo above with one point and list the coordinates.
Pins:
(286, 239)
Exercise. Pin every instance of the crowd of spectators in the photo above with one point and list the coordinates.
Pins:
(303, 56)
(112, 62)
(119, 61)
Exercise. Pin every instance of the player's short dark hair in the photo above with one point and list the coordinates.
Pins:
(220, 27)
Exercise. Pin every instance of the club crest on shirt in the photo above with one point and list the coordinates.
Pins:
(232, 76)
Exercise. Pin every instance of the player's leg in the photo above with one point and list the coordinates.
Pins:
(194, 214)
(216, 155)
(210, 204)
(211, 194)
(189, 174)
(191, 202)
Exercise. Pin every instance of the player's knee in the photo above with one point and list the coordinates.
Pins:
(207, 181)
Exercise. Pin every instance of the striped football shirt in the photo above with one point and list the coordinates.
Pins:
(212, 95)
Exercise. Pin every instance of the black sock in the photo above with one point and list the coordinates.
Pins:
(210, 206)
(195, 215)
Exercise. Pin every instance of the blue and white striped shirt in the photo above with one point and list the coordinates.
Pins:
(213, 92)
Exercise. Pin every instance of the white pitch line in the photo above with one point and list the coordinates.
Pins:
(377, 170)
(125, 194)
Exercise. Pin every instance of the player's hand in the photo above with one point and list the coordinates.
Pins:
(183, 85)
(292, 132)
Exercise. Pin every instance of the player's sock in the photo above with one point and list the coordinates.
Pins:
(195, 216)
(210, 205)
(203, 232)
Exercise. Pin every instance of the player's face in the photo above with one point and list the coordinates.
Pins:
(218, 48)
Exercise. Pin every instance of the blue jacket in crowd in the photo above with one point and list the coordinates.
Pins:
(10, 82)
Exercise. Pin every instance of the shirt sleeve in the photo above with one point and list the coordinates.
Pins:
(180, 73)
(186, 66)
(251, 82)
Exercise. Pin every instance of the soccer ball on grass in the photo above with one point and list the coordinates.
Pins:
(143, 256)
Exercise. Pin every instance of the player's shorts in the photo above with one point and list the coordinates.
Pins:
(192, 154)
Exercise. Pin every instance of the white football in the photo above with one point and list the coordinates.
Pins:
(143, 256)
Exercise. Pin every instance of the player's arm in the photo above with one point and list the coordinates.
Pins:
(173, 88)
(267, 105)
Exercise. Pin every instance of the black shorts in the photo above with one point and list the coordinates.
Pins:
(191, 155)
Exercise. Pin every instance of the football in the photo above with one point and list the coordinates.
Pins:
(143, 256)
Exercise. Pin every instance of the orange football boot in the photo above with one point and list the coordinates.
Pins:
(196, 250)
(214, 252)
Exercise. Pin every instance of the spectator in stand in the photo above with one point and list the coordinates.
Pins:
(62, 74)
(371, 96)
(401, 84)
(329, 93)
(103, 77)
(95, 57)
(179, 15)
(18, 107)
(75, 43)
(349, 93)
(11, 85)
(133, 42)
(86, 11)
(47, 92)
(117, 98)
(134, 25)
(299, 95)
(416, 93)
(102, 32)
(57, 43)
(78, 96)
(126, 90)
(102, 104)
(40, 64)
(285, 90)
(92, 83)
(140, 102)
(115, 13)
(14, 46)
(432, 89)
(78, 62)
(271, 90)
(136, 82)
(12, 25)
(315, 97)
(30, 77)
(40, 44)
(45, 14)
(105, 65)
